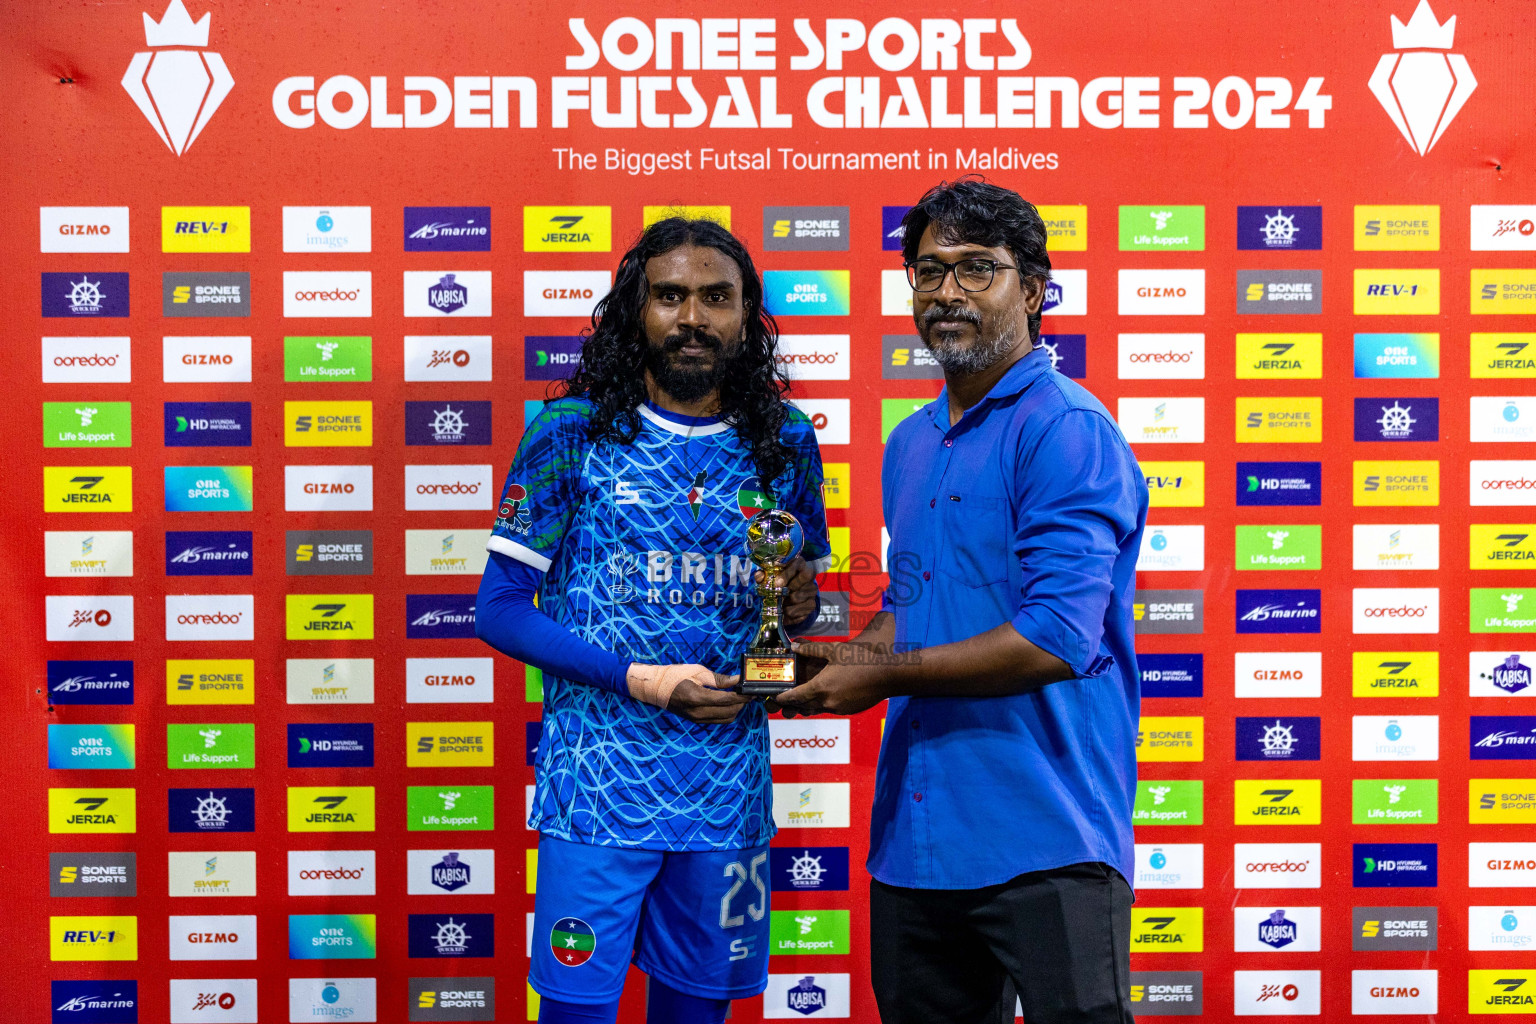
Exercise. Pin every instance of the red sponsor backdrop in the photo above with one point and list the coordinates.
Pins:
(76, 138)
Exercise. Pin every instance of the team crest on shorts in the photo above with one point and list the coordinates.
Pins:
(572, 941)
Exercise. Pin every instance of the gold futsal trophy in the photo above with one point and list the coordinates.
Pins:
(768, 665)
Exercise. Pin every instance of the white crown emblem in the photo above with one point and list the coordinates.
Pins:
(1423, 31)
(177, 90)
(1422, 91)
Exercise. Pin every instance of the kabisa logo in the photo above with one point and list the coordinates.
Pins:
(1279, 739)
(1422, 91)
(1066, 293)
(444, 423)
(439, 616)
(177, 90)
(1279, 611)
(809, 869)
(211, 810)
(208, 553)
(807, 997)
(550, 357)
(84, 294)
(447, 229)
(451, 873)
(1276, 931)
(1510, 676)
(447, 295)
(90, 682)
(1279, 227)
(458, 936)
(95, 1002)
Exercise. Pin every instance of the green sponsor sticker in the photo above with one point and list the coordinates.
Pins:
(1396, 801)
(533, 685)
(808, 931)
(1280, 547)
(87, 424)
(1502, 610)
(216, 745)
(1162, 228)
(1170, 803)
(450, 808)
(894, 410)
(327, 359)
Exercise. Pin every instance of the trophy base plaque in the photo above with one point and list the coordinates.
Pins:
(767, 675)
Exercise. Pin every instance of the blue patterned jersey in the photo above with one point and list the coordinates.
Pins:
(643, 547)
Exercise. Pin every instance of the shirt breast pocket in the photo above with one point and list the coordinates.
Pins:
(978, 539)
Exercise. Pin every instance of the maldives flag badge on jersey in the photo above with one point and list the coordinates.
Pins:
(752, 499)
(572, 941)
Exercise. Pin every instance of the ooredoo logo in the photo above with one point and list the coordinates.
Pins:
(1277, 865)
(339, 293)
(86, 361)
(1503, 482)
(808, 742)
(1396, 610)
(813, 356)
(210, 617)
(1162, 357)
(331, 872)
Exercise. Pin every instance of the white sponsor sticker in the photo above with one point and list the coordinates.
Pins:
(830, 417)
(1503, 418)
(1162, 420)
(1396, 609)
(1277, 865)
(332, 873)
(445, 552)
(1278, 673)
(211, 872)
(450, 680)
(1170, 866)
(1277, 993)
(1395, 737)
(1502, 673)
(328, 488)
(1502, 482)
(88, 552)
(327, 293)
(1394, 992)
(450, 872)
(1272, 929)
(83, 229)
(810, 804)
(213, 1001)
(895, 294)
(1066, 294)
(206, 360)
(1501, 927)
(1162, 292)
(210, 617)
(814, 356)
(1503, 228)
(71, 617)
(563, 292)
(1162, 357)
(1496, 865)
(448, 357)
(456, 293)
(1396, 546)
(808, 741)
(333, 998)
(330, 680)
(1172, 549)
(212, 937)
(804, 996)
(448, 487)
(327, 229)
(87, 361)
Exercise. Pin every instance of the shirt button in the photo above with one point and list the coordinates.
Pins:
(949, 444)
(932, 502)
(914, 723)
(925, 575)
(918, 797)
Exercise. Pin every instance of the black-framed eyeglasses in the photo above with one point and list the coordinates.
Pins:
(972, 275)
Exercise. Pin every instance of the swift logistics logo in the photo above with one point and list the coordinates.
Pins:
(566, 228)
(329, 680)
(1396, 546)
(88, 552)
(1162, 420)
(1277, 802)
(445, 552)
(1279, 356)
(330, 809)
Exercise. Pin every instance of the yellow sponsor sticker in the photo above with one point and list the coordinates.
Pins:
(1175, 484)
(1510, 290)
(330, 616)
(1277, 802)
(205, 229)
(92, 810)
(1509, 356)
(1397, 228)
(1170, 738)
(1503, 545)
(1279, 420)
(330, 809)
(87, 488)
(531, 872)
(567, 229)
(1397, 292)
(210, 681)
(719, 214)
(1279, 356)
(1507, 990)
(835, 484)
(1396, 673)
(1066, 228)
(1397, 483)
(449, 744)
(1167, 929)
(327, 424)
(840, 545)
(93, 938)
(1501, 801)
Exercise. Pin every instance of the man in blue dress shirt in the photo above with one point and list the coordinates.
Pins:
(1000, 841)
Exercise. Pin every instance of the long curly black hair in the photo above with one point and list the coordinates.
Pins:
(611, 373)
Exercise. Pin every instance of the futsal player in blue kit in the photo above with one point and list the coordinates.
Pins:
(625, 512)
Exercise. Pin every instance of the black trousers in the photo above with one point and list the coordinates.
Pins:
(1060, 938)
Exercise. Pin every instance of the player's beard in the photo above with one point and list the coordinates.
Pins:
(954, 357)
(688, 378)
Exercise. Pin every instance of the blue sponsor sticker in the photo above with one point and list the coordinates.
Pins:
(809, 868)
(85, 295)
(1279, 611)
(447, 229)
(1270, 228)
(1068, 352)
(1279, 738)
(95, 1002)
(90, 682)
(440, 616)
(1274, 484)
(1396, 865)
(806, 292)
(550, 356)
(533, 732)
(890, 227)
(90, 746)
(213, 809)
(207, 424)
(208, 553)
(1503, 737)
(447, 423)
(531, 408)
(1397, 356)
(330, 745)
(1397, 419)
(332, 937)
(1172, 675)
(451, 936)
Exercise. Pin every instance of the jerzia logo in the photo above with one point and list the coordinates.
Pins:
(1422, 90)
(177, 90)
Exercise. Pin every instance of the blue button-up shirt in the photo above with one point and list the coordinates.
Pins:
(1028, 511)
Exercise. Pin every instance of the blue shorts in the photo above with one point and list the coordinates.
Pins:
(697, 921)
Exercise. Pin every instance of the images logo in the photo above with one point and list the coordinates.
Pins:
(84, 294)
(178, 90)
(451, 228)
(1422, 91)
(806, 292)
(330, 809)
(90, 682)
(327, 229)
(1170, 866)
(1279, 611)
(569, 229)
(1272, 228)
(1172, 549)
